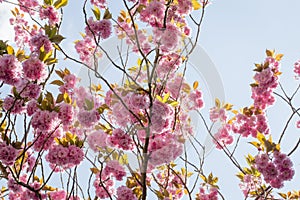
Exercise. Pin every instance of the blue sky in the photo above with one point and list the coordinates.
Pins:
(235, 35)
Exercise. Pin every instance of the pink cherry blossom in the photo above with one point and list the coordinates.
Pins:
(124, 193)
(97, 139)
(50, 13)
(27, 89)
(40, 40)
(10, 69)
(58, 195)
(28, 6)
(297, 68)
(223, 137)
(66, 113)
(88, 118)
(44, 120)
(8, 154)
(121, 139)
(114, 168)
(99, 3)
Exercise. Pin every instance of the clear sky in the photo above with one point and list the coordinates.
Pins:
(235, 35)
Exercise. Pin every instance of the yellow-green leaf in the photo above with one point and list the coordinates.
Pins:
(96, 12)
(217, 103)
(278, 57)
(260, 137)
(196, 5)
(57, 82)
(107, 14)
(166, 97)
(195, 85)
(60, 3)
(10, 50)
(123, 160)
(67, 98)
(270, 53)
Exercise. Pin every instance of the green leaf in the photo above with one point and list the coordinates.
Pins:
(270, 53)
(96, 12)
(59, 98)
(57, 82)
(107, 14)
(50, 98)
(123, 160)
(48, 2)
(60, 74)
(57, 39)
(89, 104)
(217, 103)
(256, 144)
(60, 3)
(50, 61)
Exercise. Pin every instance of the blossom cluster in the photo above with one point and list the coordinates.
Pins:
(275, 171)
(266, 79)
(211, 194)
(8, 154)
(104, 183)
(65, 156)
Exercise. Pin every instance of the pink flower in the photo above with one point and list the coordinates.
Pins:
(75, 155)
(120, 139)
(97, 139)
(85, 48)
(298, 124)
(153, 13)
(58, 195)
(8, 154)
(28, 89)
(66, 113)
(38, 41)
(124, 193)
(15, 106)
(114, 168)
(297, 68)
(10, 69)
(65, 157)
(28, 6)
(88, 118)
(31, 107)
(184, 7)
(168, 39)
(250, 183)
(44, 120)
(99, 3)
(104, 187)
(51, 14)
(166, 154)
(275, 171)
(34, 69)
(98, 28)
(223, 136)
(216, 114)
(43, 140)
(195, 100)
(211, 195)
(105, 28)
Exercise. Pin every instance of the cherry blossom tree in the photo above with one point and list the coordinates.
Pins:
(127, 139)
